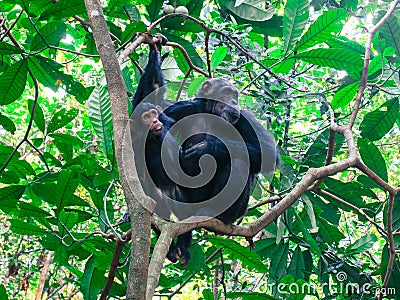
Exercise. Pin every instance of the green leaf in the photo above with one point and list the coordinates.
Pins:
(218, 56)
(296, 267)
(342, 42)
(51, 32)
(279, 262)
(38, 117)
(12, 82)
(344, 95)
(3, 293)
(7, 49)
(7, 124)
(294, 21)
(25, 228)
(154, 9)
(339, 59)
(101, 118)
(181, 61)
(373, 158)
(238, 252)
(131, 29)
(61, 9)
(195, 85)
(325, 27)
(62, 193)
(188, 46)
(377, 123)
(364, 243)
(330, 233)
(61, 118)
(351, 192)
(29, 210)
(12, 192)
(92, 281)
(249, 10)
(316, 153)
(391, 31)
(307, 236)
(48, 73)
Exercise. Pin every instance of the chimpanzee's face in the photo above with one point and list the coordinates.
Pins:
(228, 107)
(150, 119)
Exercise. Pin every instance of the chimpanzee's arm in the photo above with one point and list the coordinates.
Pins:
(152, 77)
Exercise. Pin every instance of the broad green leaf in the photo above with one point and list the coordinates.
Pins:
(12, 82)
(29, 210)
(61, 118)
(373, 158)
(100, 116)
(3, 293)
(131, 29)
(364, 243)
(330, 233)
(7, 124)
(218, 56)
(62, 9)
(279, 262)
(7, 49)
(395, 214)
(195, 85)
(377, 64)
(325, 27)
(153, 9)
(249, 10)
(92, 281)
(181, 61)
(49, 74)
(188, 46)
(11, 192)
(238, 252)
(344, 95)
(316, 153)
(307, 236)
(25, 228)
(296, 266)
(339, 59)
(38, 117)
(52, 33)
(391, 31)
(351, 192)
(342, 42)
(294, 21)
(377, 123)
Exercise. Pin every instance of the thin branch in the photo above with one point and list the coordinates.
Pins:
(367, 58)
(392, 250)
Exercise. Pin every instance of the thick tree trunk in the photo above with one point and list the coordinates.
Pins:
(141, 226)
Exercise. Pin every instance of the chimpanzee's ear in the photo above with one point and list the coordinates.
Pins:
(206, 89)
(159, 108)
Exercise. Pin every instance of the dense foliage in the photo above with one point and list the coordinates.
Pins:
(299, 66)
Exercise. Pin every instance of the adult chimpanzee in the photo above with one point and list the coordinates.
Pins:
(152, 79)
(239, 144)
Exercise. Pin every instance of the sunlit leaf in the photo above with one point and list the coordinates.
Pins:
(12, 82)
(294, 21)
(373, 158)
(326, 26)
(345, 95)
(378, 122)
